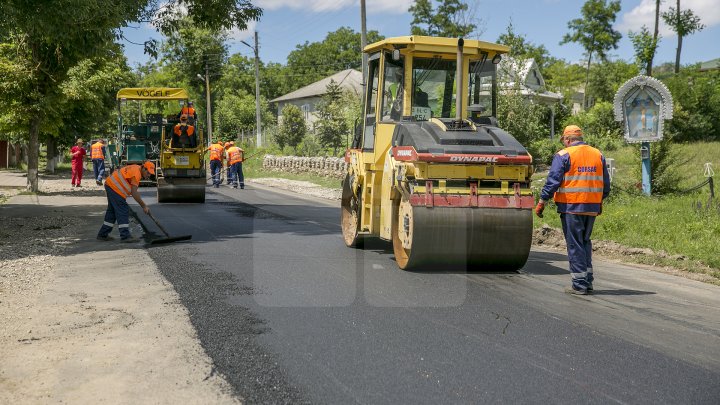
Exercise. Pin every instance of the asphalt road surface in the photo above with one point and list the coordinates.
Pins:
(289, 314)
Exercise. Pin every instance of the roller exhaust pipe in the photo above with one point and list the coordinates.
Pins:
(459, 81)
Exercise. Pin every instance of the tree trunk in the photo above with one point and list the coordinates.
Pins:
(587, 80)
(648, 71)
(51, 155)
(679, 35)
(33, 154)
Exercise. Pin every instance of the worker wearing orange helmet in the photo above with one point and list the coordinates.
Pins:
(235, 158)
(184, 134)
(228, 170)
(578, 181)
(118, 187)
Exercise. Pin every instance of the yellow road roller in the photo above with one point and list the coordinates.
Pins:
(430, 170)
(147, 122)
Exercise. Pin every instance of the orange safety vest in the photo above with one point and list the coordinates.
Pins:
(178, 129)
(122, 180)
(583, 183)
(235, 155)
(97, 151)
(216, 152)
(188, 111)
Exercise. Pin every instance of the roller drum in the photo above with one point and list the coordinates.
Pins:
(483, 238)
(187, 190)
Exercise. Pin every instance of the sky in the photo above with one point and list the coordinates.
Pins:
(288, 23)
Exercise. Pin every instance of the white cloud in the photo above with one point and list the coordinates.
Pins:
(644, 14)
(372, 6)
(244, 35)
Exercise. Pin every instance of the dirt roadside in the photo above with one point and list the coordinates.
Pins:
(88, 321)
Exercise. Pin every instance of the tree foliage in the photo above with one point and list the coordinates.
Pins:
(594, 32)
(452, 18)
(644, 45)
(331, 127)
(292, 127)
(340, 50)
(607, 78)
(235, 115)
(684, 23)
(696, 114)
(521, 48)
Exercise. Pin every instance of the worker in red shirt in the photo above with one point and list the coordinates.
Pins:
(235, 159)
(78, 156)
(118, 187)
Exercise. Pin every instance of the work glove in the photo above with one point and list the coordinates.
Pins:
(539, 208)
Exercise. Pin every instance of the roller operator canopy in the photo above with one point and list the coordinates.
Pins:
(152, 93)
(417, 43)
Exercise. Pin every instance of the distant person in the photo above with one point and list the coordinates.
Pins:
(228, 172)
(77, 161)
(184, 134)
(235, 157)
(217, 153)
(578, 181)
(189, 111)
(97, 154)
(119, 186)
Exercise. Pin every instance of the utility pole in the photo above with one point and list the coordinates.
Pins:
(258, 123)
(363, 43)
(207, 101)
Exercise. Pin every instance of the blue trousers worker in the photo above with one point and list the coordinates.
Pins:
(236, 174)
(99, 169)
(117, 211)
(577, 230)
(215, 168)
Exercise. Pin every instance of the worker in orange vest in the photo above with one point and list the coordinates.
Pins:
(217, 152)
(97, 154)
(118, 187)
(578, 181)
(184, 134)
(235, 158)
(227, 170)
(78, 156)
(189, 111)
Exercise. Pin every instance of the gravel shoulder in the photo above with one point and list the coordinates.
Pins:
(88, 321)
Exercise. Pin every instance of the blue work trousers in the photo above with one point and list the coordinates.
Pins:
(577, 230)
(117, 211)
(99, 169)
(236, 174)
(215, 168)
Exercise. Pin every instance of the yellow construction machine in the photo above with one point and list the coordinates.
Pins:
(146, 121)
(430, 170)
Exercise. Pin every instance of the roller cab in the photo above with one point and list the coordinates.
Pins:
(431, 170)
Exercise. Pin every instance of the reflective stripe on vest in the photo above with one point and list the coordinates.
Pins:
(216, 152)
(118, 180)
(583, 183)
(234, 155)
(96, 149)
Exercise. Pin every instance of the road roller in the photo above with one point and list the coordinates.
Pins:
(429, 169)
(147, 118)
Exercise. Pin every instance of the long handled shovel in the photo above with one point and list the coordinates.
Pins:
(167, 238)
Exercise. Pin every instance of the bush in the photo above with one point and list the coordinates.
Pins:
(543, 150)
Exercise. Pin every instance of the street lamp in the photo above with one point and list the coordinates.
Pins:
(207, 102)
(257, 87)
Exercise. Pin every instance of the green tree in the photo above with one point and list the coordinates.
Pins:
(594, 32)
(331, 127)
(696, 114)
(339, 50)
(608, 77)
(521, 48)
(236, 115)
(684, 23)
(292, 127)
(564, 78)
(644, 46)
(452, 18)
(53, 46)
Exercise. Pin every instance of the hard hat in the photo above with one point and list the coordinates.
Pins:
(227, 144)
(79, 140)
(572, 130)
(231, 143)
(183, 117)
(149, 166)
(190, 103)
